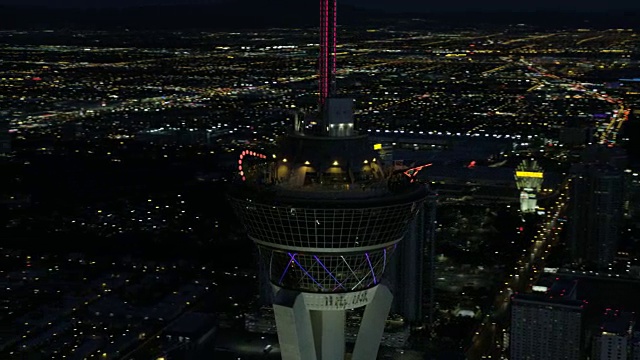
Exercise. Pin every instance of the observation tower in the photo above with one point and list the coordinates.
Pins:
(326, 215)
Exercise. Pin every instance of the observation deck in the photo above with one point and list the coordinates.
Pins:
(324, 213)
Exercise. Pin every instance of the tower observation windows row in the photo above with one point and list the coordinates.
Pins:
(324, 228)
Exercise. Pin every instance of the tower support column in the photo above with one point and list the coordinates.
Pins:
(293, 321)
(372, 325)
(328, 333)
(312, 326)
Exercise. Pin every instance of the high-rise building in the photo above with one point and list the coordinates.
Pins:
(411, 269)
(602, 154)
(575, 135)
(595, 213)
(547, 326)
(529, 179)
(635, 344)
(5, 136)
(614, 338)
(326, 216)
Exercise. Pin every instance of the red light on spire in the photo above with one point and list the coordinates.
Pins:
(327, 58)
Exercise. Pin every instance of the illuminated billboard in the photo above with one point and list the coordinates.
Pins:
(529, 174)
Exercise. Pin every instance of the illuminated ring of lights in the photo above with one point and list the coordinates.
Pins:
(241, 157)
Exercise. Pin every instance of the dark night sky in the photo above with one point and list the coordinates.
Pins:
(394, 5)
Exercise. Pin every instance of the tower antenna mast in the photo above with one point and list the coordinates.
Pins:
(327, 58)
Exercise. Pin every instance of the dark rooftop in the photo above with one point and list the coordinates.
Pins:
(193, 324)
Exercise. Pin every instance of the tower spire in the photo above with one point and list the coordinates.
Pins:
(327, 60)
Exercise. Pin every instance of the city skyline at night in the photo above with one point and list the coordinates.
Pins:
(190, 180)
